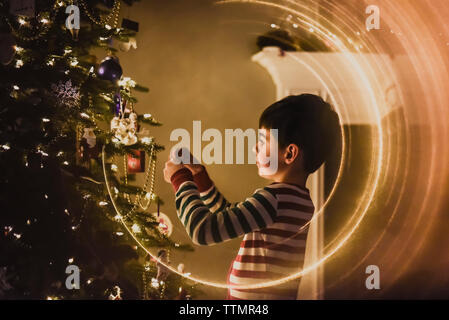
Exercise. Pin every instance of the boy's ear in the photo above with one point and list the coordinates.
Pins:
(291, 153)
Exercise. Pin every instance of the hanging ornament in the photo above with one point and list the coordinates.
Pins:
(110, 69)
(136, 161)
(131, 43)
(164, 223)
(125, 129)
(66, 94)
(89, 148)
(116, 293)
(7, 48)
(22, 7)
(118, 103)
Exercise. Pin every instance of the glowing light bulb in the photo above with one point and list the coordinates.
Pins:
(19, 63)
(70, 260)
(147, 140)
(103, 203)
(154, 283)
(114, 168)
(136, 228)
(21, 21)
(108, 27)
(147, 115)
(6, 147)
(45, 120)
(44, 20)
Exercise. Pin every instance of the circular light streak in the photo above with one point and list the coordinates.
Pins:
(363, 203)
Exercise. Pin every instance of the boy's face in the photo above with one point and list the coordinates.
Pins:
(275, 163)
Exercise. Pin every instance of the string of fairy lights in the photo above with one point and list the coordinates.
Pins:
(24, 28)
(109, 23)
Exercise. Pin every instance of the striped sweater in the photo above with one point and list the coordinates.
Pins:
(272, 222)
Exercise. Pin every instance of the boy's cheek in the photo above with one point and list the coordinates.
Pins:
(263, 156)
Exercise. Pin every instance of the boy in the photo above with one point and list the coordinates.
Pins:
(274, 219)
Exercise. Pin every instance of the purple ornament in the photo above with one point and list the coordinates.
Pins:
(110, 69)
(117, 99)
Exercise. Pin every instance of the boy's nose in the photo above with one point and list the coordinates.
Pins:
(255, 148)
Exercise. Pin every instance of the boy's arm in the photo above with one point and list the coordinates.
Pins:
(207, 228)
(209, 193)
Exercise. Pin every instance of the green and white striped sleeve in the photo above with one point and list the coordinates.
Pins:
(214, 200)
(205, 227)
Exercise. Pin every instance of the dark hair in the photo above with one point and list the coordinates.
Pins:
(307, 121)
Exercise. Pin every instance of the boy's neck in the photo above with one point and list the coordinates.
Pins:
(298, 179)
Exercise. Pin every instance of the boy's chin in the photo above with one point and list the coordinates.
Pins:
(266, 173)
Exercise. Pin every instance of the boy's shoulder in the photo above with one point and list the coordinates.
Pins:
(277, 188)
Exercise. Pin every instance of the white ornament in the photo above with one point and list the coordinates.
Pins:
(125, 46)
(165, 226)
(90, 137)
(124, 129)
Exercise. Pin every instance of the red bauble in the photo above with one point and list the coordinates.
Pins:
(136, 161)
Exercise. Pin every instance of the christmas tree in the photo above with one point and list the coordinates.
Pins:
(71, 143)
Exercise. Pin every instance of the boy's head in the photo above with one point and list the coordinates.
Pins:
(307, 130)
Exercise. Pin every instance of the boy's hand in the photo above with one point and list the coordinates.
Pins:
(192, 166)
(170, 168)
